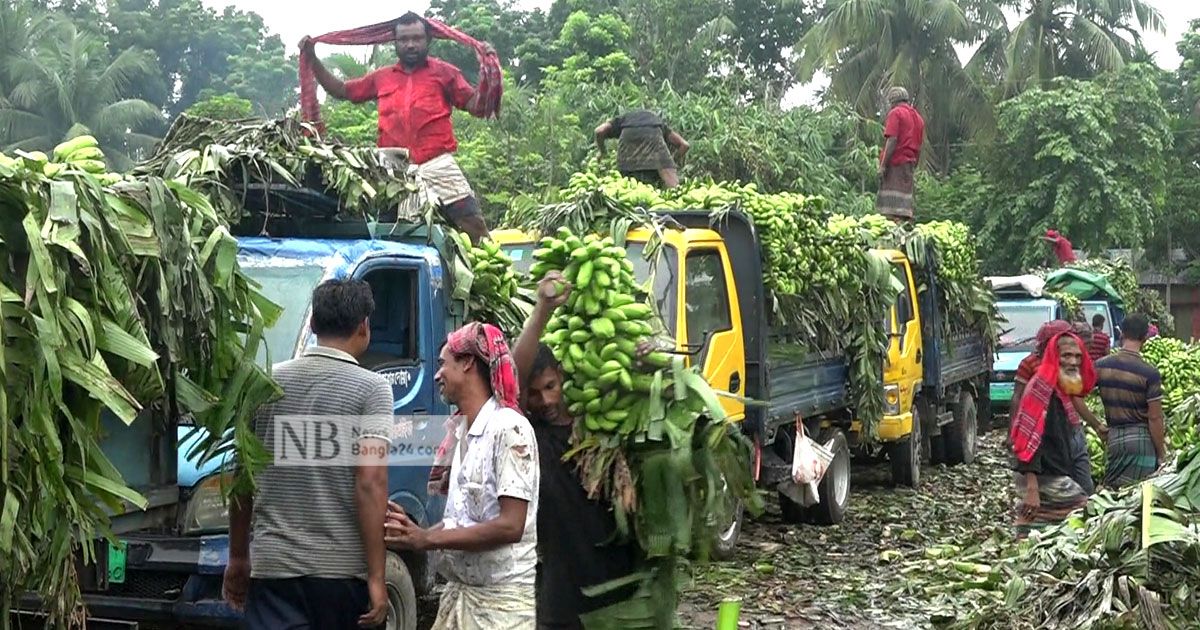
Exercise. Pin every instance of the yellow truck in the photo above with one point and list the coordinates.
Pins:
(708, 287)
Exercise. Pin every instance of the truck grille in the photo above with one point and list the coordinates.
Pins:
(162, 585)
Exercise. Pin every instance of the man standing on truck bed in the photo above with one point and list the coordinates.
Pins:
(642, 151)
(316, 556)
(1131, 390)
(904, 131)
(488, 534)
(416, 97)
(572, 529)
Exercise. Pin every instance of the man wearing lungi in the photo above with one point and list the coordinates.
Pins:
(1131, 389)
(416, 98)
(642, 151)
(904, 131)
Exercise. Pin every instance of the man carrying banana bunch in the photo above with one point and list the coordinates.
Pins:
(573, 530)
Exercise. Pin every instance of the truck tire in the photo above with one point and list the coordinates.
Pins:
(834, 488)
(959, 436)
(402, 598)
(729, 532)
(905, 455)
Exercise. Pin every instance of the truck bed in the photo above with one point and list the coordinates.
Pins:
(961, 357)
(808, 385)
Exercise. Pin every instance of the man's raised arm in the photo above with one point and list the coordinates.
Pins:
(334, 86)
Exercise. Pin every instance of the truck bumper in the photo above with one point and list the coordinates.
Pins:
(1001, 393)
(892, 428)
(168, 582)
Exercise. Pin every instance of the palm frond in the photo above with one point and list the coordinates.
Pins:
(125, 115)
(945, 17)
(18, 125)
(128, 66)
(1096, 44)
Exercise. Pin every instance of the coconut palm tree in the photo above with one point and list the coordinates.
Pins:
(867, 45)
(1075, 38)
(68, 85)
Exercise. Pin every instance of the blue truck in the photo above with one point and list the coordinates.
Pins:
(167, 570)
(1024, 308)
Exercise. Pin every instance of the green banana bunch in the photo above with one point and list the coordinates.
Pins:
(494, 295)
(595, 335)
(81, 153)
(492, 268)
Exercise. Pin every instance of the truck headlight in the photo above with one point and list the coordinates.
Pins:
(891, 400)
(208, 511)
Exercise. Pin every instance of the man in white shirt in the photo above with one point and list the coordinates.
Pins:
(488, 534)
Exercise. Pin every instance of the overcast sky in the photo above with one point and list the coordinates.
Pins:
(287, 19)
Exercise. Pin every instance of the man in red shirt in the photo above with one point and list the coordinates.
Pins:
(416, 98)
(1101, 344)
(904, 130)
(1062, 247)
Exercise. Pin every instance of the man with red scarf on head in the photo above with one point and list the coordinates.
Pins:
(1049, 481)
(488, 534)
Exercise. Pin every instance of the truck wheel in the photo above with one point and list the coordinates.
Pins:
(834, 488)
(730, 531)
(905, 456)
(959, 436)
(402, 599)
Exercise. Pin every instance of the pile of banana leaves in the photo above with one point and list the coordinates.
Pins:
(222, 158)
(1127, 560)
(123, 301)
(225, 160)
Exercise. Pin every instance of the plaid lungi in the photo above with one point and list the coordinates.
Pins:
(895, 198)
(1058, 496)
(1131, 454)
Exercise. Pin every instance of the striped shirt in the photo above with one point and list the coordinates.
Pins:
(1027, 368)
(305, 520)
(1127, 385)
(1100, 346)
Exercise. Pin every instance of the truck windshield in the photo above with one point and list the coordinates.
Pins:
(291, 288)
(664, 276)
(1020, 326)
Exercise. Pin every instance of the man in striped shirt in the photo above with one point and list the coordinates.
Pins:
(1131, 390)
(314, 555)
(1101, 342)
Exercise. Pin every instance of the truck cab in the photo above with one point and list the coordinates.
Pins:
(170, 573)
(1024, 309)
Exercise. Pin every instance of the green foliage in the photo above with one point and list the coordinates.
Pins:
(67, 85)
(543, 138)
(1085, 158)
(355, 124)
(1074, 38)
(198, 48)
(222, 107)
(918, 53)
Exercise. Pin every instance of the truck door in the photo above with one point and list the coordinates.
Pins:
(905, 351)
(712, 322)
(398, 328)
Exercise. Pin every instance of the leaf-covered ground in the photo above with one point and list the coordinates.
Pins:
(874, 570)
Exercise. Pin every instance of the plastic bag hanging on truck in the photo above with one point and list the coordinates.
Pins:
(809, 459)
